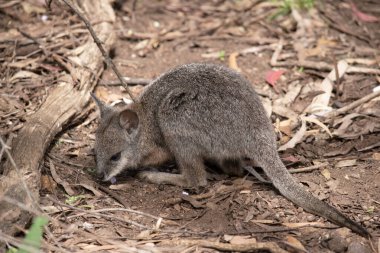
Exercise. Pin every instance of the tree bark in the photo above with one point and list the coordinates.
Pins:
(66, 101)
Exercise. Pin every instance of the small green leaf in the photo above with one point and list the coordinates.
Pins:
(222, 54)
(12, 250)
(33, 237)
(72, 199)
(370, 209)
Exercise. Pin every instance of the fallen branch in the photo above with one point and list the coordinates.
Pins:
(353, 105)
(100, 46)
(129, 80)
(64, 104)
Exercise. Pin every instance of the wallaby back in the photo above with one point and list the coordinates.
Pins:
(192, 114)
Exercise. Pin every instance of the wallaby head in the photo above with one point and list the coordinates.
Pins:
(116, 139)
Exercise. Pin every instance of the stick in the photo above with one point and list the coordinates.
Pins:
(129, 80)
(89, 212)
(114, 195)
(100, 46)
(307, 169)
(352, 105)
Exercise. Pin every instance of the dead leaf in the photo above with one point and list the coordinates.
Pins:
(286, 126)
(60, 181)
(24, 63)
(232, 62)
(320, 104)
(91, 188)
(297, 138)
(141, 45)
(295, 243)
(47, 183)
(345, 163)
(211, 55)
(242, 240)
(362, 16)
(285, 112)
(326, 173)
(195, 203)
(272, 77)
(31, 8)
(321, 48)
(23, 74)
(345, 122)
(145, 234)
(317, 122)
(376, 156)
(371, 108)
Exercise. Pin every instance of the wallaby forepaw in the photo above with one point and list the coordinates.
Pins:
(145, 176)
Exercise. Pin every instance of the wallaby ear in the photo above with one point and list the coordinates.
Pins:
(128, 120)
(102, 106)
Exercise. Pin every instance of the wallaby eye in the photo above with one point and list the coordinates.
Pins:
(115, 157)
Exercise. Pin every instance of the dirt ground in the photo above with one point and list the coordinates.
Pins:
(158, 35)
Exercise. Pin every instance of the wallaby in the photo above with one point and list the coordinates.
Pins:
(192, 114)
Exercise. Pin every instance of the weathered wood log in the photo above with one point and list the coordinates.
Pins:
(64, 103)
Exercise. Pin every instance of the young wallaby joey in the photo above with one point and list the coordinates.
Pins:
(192, 114)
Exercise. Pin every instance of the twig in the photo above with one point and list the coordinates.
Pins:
(134, 5)
(337, 79)
(113, 195)
(246, 247)
(129, 80)
(5, 146)
(308, 169)
(352, 105)
(362, 70)
(126, 210)
(99, 214)
(25, 34)
(276, 54)
(100, 46)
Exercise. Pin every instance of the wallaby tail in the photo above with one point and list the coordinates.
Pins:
(288, 187)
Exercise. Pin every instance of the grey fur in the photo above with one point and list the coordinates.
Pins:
(193, 113)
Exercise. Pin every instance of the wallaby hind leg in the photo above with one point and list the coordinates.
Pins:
(232, 167)
(194, 172)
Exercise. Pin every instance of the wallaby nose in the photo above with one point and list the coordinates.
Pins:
(100, 175)
(106, 178)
